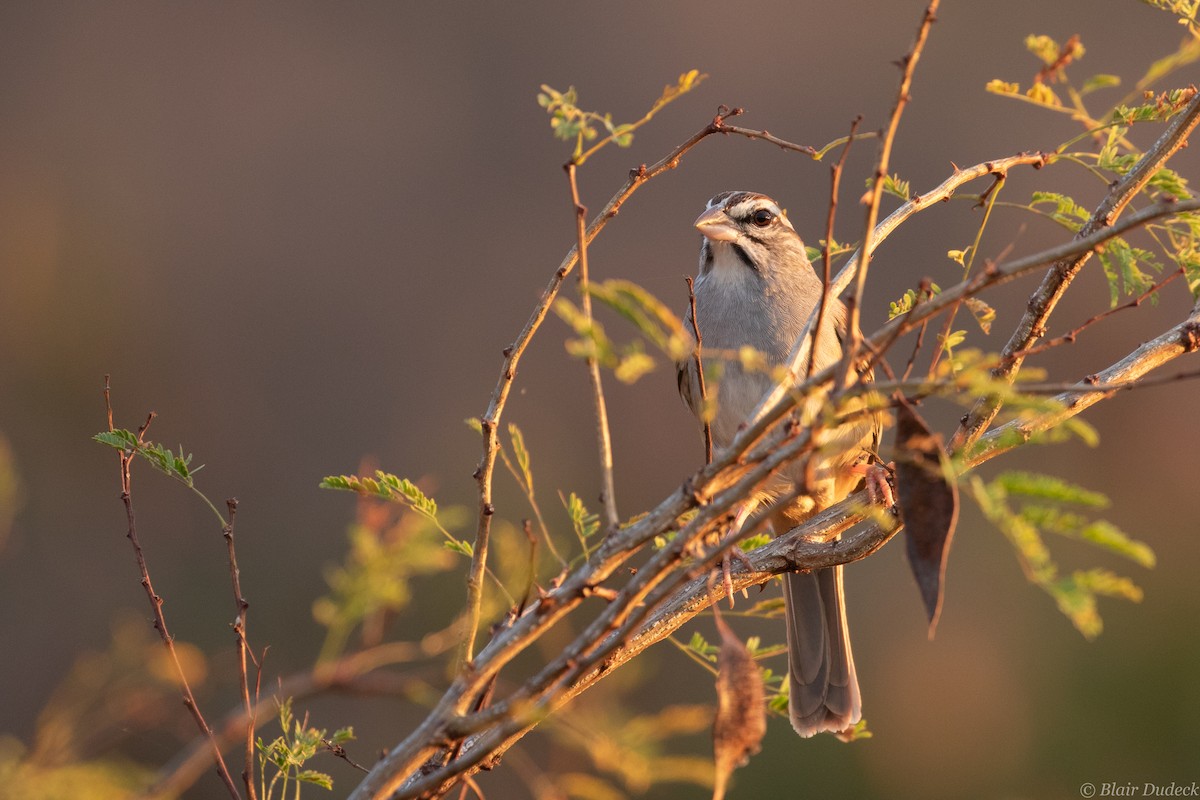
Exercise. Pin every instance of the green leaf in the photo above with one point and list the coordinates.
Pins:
(1043, 47)
(593, 342)
(652, 318)
(569, 122)
(1075, 594)
(984, 314)
(1066, 211)
(1099, 82)
(1161, 108)
(909, 300)
(1170, 182)
(622, 135)
(1122, 267)
(585, 523)
(633, 364)
(1030, 484)
(894, 185)
(520, 453)
(459, 546)
(1042, 94)
(314, 777)
(952, 340)
(1112, 538)
(997, 86)
(118, 438)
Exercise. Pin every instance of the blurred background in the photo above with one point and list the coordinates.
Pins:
(303, 233)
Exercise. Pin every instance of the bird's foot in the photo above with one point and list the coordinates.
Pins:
(727, 560)
(879, 485)
(878, 480)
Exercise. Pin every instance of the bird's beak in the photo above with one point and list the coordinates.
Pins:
(716, 225)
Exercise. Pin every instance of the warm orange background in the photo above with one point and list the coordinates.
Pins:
(303, 233)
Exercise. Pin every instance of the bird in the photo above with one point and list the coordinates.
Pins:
(757, 288)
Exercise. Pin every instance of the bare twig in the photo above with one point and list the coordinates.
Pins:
(1070, 336)
(340, 752)
(243, 652)
(807, 150)
(750, 133)
(698, 360)
(608, 494)
(875, 195)
(987, 201)
(835, 181)
(156, 602)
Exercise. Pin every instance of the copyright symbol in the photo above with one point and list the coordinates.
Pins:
(1088, 790)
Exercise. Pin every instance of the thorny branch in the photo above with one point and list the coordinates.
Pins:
(243, 652)
(608, 494)
(156, 602)
(835, 181)
(875, 195)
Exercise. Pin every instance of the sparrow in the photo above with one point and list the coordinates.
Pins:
(757, 288)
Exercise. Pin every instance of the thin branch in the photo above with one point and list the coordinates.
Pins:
(512, 354)
(1070, 336)
(340, 752)
(988, 201)
(924, 291)
(875, 195)
(750, 133)
(835, 181)
(698, 361)
(1033, 324)
(608, 495)
(156, 601)
(812, 152)
(243, 650)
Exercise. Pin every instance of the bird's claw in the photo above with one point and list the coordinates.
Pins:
(878, 480)
(727, 559)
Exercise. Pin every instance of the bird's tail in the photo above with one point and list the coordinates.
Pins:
(822, 682)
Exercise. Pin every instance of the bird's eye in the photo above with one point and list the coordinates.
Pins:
(762, 218)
